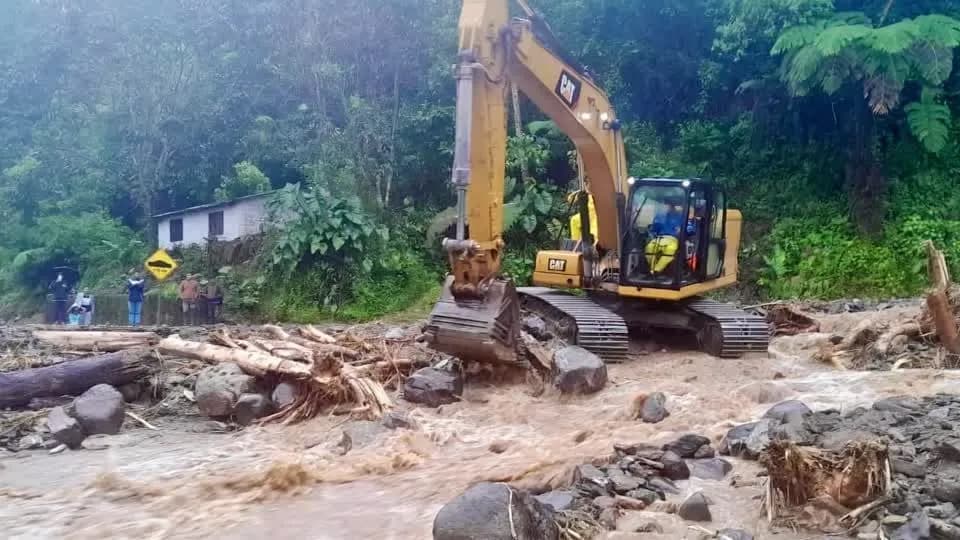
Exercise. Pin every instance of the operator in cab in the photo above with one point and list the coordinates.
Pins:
(662, 249)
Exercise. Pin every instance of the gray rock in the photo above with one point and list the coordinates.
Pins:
(588, 472)
(394, 334)
(482, 513)
(604, 501)
(433, 387)
(705, 451)
(647, 496)
(219, 387)
(663, 485)
(687, 445)
(895, 405)
(695, 508)
(654, 408)
(948, 451)
(130, 391)
(736, 439)
(674, 467)
(250, 407)
(710, 469)
(284, 395)
(398, 420)
(536, 327)
(559, 500)
(785, 409)
(356, 435)
(942, 511)
(65, 428)
(622, 482)
(940, 413)
(908, 468)
(99, 410)
(578, 371)
(947, 491)
(733, 534)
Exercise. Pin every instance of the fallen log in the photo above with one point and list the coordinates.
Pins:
(96, 341)
(310, 332)
(74, 377)
(253, 363)
(910, 329)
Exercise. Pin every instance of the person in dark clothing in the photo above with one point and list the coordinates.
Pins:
(214, 295)
(61, 293)
(135, 289)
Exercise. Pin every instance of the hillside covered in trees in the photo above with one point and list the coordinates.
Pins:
(832, 124)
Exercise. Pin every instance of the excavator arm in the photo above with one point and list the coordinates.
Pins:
(478, 314)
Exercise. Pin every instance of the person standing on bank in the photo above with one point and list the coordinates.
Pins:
(189, 294)
(85, 299)
(135, 291)
(61, 293)
(214, 295)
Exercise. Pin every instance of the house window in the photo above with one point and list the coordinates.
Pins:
(216, 224)
(176, 230)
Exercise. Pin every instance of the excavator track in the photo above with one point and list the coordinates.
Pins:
(580, 320)
(726, 331)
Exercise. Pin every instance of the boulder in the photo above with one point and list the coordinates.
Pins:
(536, 327)
(358, 434)
(283, 395)
(433, 387)
(64, 428)
(578, 371)
(674, 467)
(663, 485)
(559, 500)
(219, 387)
(786, 409)
(654, 408)
(747, 441)
(99, 410)
(947, 491)
(695, 508)
(647, 496)
(484, 512)
(736, 438)
(687, 445)
(250, 407)
(622, 482)
(710, 469)
(908, 468)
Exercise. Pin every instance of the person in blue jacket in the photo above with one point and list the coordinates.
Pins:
(135, 290)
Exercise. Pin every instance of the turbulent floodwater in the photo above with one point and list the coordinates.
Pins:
(287, 482)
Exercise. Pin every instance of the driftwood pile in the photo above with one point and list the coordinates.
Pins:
(329, 372)
(935, 329)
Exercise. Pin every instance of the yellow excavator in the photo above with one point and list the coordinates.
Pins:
(643, 250)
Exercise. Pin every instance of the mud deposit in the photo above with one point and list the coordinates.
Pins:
(302, 481)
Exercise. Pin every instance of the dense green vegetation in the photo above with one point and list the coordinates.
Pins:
(830, 122)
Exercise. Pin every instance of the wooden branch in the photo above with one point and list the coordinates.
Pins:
(276, 332)
(937, 268)
(310, 332)
(909, 329)
(74, 377)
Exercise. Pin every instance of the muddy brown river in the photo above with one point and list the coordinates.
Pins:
(288, 482)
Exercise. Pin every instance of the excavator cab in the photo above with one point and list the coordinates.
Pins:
(674, 233)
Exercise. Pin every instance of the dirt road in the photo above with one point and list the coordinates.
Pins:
(289, 482)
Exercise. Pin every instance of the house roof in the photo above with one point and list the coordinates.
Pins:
(211, 206)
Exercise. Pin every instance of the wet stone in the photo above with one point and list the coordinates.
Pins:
(642, 494)
(650, 527)
(942, 511)
(284, 395)
(64, 428)
(536, 327)
(908, 468)
(251, 407)
(695, 508)
(674, 467)
(733, 534)
(433, 387)
(558, 500)
(608, 518)
(663, 485)
(787, 409)
(710, 469)
(495, 512)
(654, 408)
(705, 451)
(687, 445)
(578, 371)
(99, 410)
(622, 482)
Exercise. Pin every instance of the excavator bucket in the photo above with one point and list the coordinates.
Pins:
(477, 329)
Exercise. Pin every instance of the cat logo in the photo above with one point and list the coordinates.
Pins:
(568, 88)
(557, 265)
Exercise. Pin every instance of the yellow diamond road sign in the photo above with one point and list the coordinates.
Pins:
(161, 265)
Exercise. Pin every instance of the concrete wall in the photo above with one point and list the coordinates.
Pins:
(241, 218)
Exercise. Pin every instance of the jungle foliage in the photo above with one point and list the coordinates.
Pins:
(832, 124)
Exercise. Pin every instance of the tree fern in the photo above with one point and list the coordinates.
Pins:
(796, 38)
(834, 39)
(939, 30)
(894, 38)
(929, 121)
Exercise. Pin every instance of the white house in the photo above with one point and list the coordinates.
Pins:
(216, 221)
